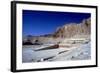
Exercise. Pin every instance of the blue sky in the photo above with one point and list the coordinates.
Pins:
(45, 22)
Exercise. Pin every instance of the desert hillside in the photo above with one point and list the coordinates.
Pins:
(72, 29)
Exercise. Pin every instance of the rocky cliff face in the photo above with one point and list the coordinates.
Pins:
(72, 29)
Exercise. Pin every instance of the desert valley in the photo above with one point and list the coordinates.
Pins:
(68, 42)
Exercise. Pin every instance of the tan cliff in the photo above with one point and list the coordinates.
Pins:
(72, 29)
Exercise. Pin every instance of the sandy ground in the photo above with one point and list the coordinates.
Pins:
(79, 50)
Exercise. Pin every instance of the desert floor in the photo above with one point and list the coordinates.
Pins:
(71, 51)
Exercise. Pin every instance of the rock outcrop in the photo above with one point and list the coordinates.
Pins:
(72, 29)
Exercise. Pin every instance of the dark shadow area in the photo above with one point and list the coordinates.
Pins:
(48, 48)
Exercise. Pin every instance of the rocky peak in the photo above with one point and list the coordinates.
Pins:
(69, 30)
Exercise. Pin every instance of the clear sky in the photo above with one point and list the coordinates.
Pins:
(44, 22)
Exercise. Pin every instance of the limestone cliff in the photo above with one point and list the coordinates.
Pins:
(72, 29)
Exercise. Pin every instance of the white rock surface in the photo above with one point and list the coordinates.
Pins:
(83, 52)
